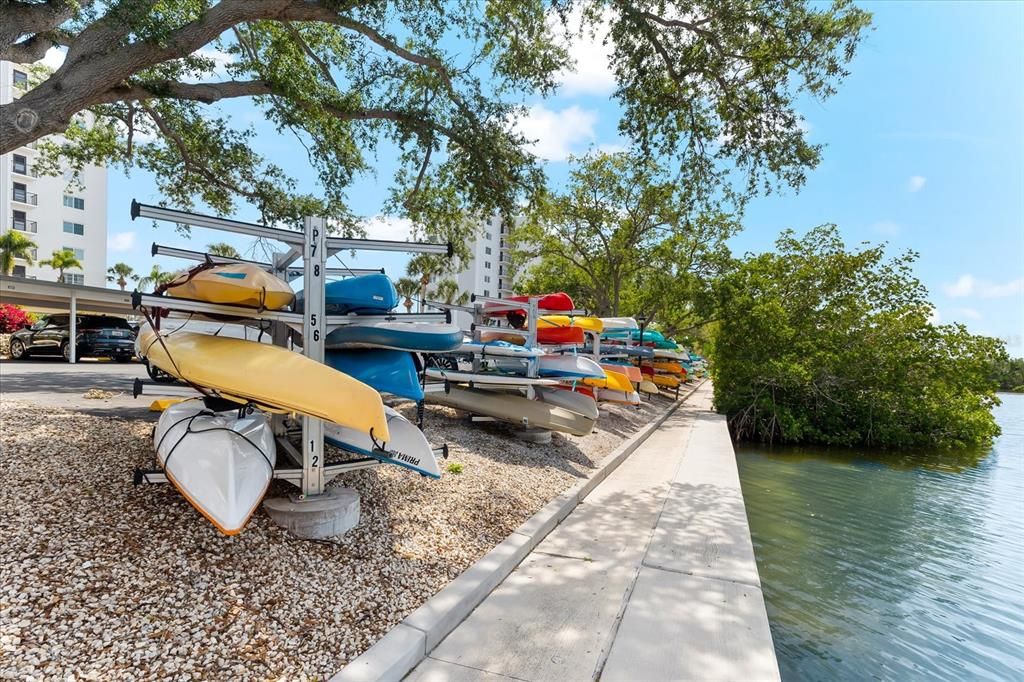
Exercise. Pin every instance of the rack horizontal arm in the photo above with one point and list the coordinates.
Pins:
(335, 244)
(213, 222)
(199, 256)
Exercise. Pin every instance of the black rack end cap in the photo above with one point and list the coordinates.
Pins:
(152, 249)
(136, 299)
(472, 298)
(448, 315)
(382, 271)
(136, 209)
(137, 387)
(451, 249)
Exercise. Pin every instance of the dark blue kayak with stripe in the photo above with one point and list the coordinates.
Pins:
(388, 371)
(367, 294)
(409, 336)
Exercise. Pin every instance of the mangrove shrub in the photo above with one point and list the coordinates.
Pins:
(821, 344)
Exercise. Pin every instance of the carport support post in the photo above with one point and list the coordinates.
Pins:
(73, 340)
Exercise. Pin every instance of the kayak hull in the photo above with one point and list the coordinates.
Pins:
(571, 400)
(221, 464)
(388, 371)
(241, 284)
(515, 409)
(414, 337)
(367, 294)
(407, 448)
(266, 375)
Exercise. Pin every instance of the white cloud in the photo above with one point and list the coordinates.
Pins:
(916, 183)
(968, 313)
(935, 317)
(591, 73)
(554, 134)
(969, 285)
(389, 228)
(887, 227)
(121, 241)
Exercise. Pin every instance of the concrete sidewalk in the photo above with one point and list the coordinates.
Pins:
(652, 577)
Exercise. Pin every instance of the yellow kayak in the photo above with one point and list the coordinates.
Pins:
(666, 380)
(591, 324)
(648, 386)
(267, 375)
(670, 367)
(616, 381)
(233, 284)
(632, 372)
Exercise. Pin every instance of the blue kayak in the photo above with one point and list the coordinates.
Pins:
(407, 336)
(367, 294)
(388, 371)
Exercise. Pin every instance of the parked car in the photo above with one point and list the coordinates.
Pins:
(98, 336)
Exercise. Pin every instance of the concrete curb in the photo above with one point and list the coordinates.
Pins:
(395, 655)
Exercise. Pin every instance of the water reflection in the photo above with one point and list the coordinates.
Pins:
(889, 565)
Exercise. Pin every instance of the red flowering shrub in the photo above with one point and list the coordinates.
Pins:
(13, 318)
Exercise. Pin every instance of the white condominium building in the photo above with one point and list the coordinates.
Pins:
(487, 273)
(52, 213)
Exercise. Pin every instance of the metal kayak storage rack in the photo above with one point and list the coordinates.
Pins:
(313, 246)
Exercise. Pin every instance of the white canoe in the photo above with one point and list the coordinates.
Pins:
(648, 386)
(668, 354)
(407, 448)
(486, 378)
(221, 464)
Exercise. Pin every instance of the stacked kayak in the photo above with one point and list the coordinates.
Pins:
(222, 458)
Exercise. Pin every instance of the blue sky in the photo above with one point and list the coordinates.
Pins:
(924, 150)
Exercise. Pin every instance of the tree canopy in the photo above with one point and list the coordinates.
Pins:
(437, 86)
(61, 260)
(14, 244)
(622, 237)
(817, 343)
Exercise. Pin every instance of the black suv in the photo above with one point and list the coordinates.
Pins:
(98, 336)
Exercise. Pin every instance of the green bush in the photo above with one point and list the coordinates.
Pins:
(818, 344)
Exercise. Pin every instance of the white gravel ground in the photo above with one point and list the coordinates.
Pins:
(100, 580)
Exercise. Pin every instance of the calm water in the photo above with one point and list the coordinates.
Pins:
(878, 566)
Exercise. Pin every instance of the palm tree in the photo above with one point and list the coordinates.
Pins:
(447, 290)
(121, 273)
(61, 260)
(13, 245)
(156, 278)
(407, 287)
(222, 249)
(425, 267)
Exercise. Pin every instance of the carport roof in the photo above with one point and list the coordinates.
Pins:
(48, 297)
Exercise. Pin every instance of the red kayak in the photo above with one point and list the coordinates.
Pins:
(560, 335)
(648, 370)
(560, 302)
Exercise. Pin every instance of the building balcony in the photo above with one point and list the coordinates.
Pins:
(30, 198)
(25, 171)
(25, 225)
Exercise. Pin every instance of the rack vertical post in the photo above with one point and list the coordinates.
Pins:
(313, 335)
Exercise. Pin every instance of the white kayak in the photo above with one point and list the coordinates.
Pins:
(501, 349)
(486, 378)
(648, 386)
(611, 323)
(563, 366)
(220, 463)
(608, 395)
(579, 403)
(667, 354)
(407, 448)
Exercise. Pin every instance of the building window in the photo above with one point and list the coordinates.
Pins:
(501, 270)
(487, 250)
(487, 292)
(74, 228)
(72, 278)
(20, 192)
(74, 202)
(20, 164)
(79, 253)
(20, 80)
(487, 264)
(19, 271)
(487, 279)
(488, 236)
